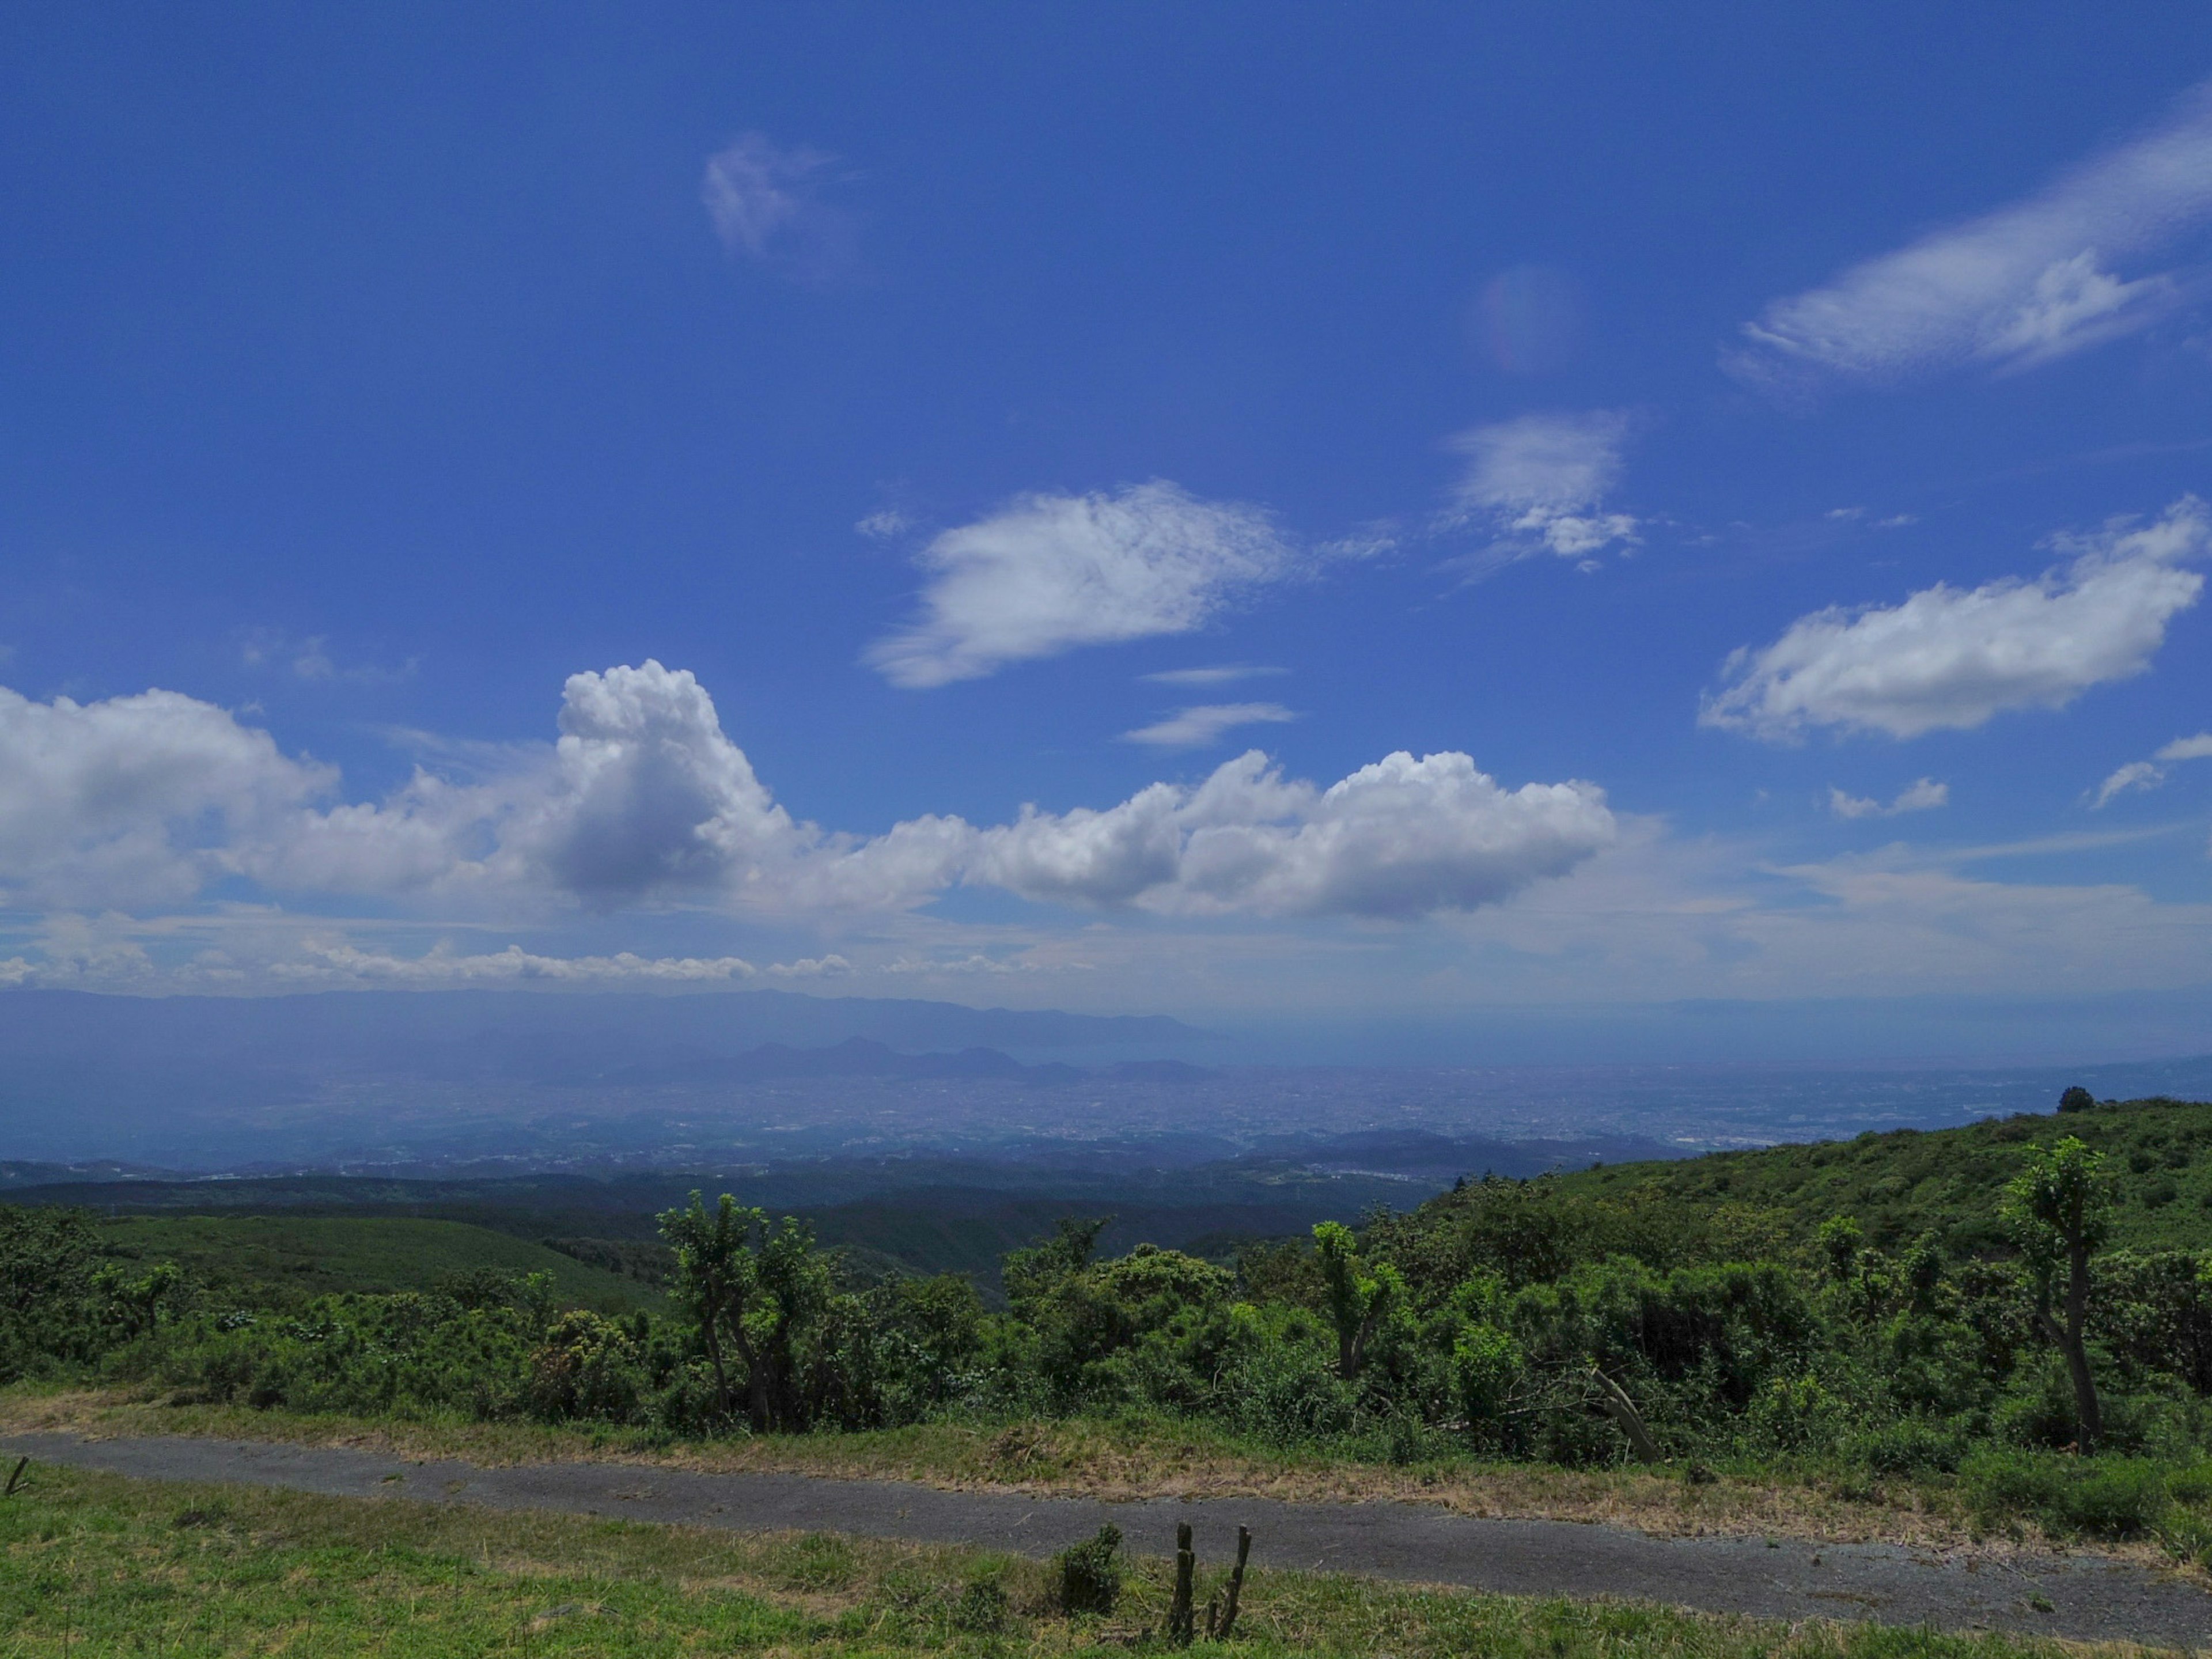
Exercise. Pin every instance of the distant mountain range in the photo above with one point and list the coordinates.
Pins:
(860, 1057)
(576, 1033)
(207, 1081)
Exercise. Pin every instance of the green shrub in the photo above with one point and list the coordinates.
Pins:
(1089, 1578)
(1914, 1446)
(2094, 1497)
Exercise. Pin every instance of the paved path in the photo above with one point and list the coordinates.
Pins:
(2087, 1598)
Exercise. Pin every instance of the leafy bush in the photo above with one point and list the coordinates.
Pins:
(2095, 1496)
(1089, 1578)
(1914, 1446)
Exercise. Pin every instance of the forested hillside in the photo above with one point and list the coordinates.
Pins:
(2018, 1312)
(1908, 1184)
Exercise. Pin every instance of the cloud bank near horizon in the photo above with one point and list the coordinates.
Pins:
(161, 800)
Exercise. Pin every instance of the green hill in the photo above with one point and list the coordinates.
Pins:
(1911, 1183)
(283, 1260)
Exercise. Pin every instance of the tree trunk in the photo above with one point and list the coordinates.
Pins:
(711, 1314)
(758, 1404)
(1621, 1409)
(2087, 1410)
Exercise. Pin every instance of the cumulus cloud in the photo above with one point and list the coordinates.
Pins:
(1399, 839)
(2148, 775)
(1924, 796)
(1538, 482)
(1950, 659)
(1206, 725)
(151, 799)
(2030, 283)
(644, 800)
(1047, 573)
(763, 202)
(135, 800)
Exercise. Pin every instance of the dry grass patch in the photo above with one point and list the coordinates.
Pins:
(1109, 1460)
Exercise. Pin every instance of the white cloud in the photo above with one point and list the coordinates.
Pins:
(1924, 796)
(1047, 573)
(1539, 481)
(2017, 287)
(2148, 775)
(325, 963)
(1220, 674)
(310, 658)
(1951, 658)
(1400, 838)
(443, 966)
(883, 525)
(137, 799)
(644, 800)
(762, 200)
(1206, 724)
(2135, 775)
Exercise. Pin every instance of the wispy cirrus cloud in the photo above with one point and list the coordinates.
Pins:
(764, 202)
(1951, 658)
(2148, 775)
(1538, 483)
(1049, 574)
(1206, 725)
(1227, 673)
(2028, 283)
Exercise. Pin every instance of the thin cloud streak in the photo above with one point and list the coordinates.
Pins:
(1206, 725)
(2020, 286)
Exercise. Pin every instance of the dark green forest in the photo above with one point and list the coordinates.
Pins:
(2018, 1312)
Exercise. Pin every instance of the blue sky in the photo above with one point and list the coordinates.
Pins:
(1700, 505)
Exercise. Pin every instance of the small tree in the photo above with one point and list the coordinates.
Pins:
(760, 1292)
(2058, 1212)
(2076, 1099)
(1359, 1297)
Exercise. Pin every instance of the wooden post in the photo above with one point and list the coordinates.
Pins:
(1179, 1615)
(1236, 1582)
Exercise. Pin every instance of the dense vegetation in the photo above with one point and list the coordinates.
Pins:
(2020, 1309)
(285, 1261)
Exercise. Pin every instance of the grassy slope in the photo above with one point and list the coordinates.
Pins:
(1909, 1181)
(285, 1259)
(92, 1564)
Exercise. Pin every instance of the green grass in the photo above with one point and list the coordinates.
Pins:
(1130, 1457)
(1900, 1185)
(283, 1260)
(97, 1565)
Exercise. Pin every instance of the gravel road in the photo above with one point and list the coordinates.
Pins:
(2082, 1597)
